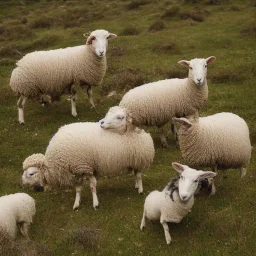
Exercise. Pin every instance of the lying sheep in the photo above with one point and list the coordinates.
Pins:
(16, 209)
(155, 104)
(83, 150)
(219, 141)
(176, 200)
(54, 72)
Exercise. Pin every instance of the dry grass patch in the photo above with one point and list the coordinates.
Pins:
(172, 12)
(136, 4)
(166, 48)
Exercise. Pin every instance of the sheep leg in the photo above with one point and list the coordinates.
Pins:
(21, 102)
(143, 221)
(78, 197)
(24, 230)
(163, 137)
(138, 181)
(175, 133)
(93, 183)
(166, 231)
(243, 171)
(89, 93)
(73, 98)
(214, 169)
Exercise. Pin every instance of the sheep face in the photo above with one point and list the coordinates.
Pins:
(99, 41)
(189, 179)
(31, 176)
(116, 120)
(197, 69)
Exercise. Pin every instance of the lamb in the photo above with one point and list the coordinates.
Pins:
(86, 150)
(219, 141)
(53, 73)
(16, 209)
(155, 104)
(176, 200)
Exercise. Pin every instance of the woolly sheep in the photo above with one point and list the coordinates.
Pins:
(155, 104)
(176, 200)
(219, 141)
(83, 150)
(16, 209)
(54, 72)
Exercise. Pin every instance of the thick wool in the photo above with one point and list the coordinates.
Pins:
(50, 72)
(15, 208)
(155, 104)
(220, 140)
(159, 205)
(81, 149)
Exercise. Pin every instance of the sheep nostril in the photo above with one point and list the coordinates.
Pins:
(199, 79)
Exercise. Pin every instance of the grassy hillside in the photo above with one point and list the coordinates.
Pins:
(152, 38)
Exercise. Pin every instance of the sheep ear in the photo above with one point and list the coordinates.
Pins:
(184, 63)
(183, 121)
(178, 167)
(110, 36)
(210, 59)
(207, 175)
(90, 39)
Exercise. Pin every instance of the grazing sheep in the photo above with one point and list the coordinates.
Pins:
(53, 73)
(176, 200)
(83, 150)
(16, 209)
(219, 141)
(155, 104)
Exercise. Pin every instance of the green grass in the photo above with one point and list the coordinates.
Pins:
(152, 38)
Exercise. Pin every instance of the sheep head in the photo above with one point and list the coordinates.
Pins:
(118, 120)
(189, 180)
(197, 69)
(34, 167)
(98, 40)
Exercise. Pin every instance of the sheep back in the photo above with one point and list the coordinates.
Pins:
(154, 104)
(221, 139)
(85, 148)
(16, 208)
(49, 72)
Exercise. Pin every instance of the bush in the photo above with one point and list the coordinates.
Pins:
(171, 12)
(42, 22)
(136, 4)
(217, 2)
(166, 48)
(129, 31)
(156, 26)
(192, 15)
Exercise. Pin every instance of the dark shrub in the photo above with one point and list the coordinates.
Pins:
(42, 22)
(166, 48)
(129, 31)
(156, 26)
(217, 2)
(171, 12)
(192, 15)
(137, 3)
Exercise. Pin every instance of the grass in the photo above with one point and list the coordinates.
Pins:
(152, 38)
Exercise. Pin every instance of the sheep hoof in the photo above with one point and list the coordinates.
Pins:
(142, 228)
(74, 114)
(21, 122)
(96, 207)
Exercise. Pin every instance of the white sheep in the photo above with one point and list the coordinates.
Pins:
(54, 72)
(219, 141)
(86, 150)
(176, 200)
(155, 104)
(16, 209)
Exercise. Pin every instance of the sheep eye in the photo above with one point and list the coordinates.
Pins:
(205, 66)
(120, 118)
(196, 181)
(31, 174)
(190, 68)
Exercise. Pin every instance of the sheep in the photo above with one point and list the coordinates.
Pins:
(86, 150)
(16, 209)
(176, 200)
(53, 73)
(155, 104)
(219, 141)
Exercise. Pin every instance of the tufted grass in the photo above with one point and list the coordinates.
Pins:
(221, 225)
